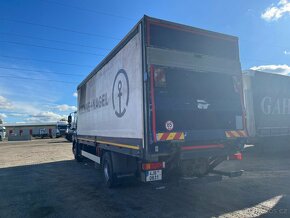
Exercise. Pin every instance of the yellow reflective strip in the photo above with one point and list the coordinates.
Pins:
(236, 134)
(171, 136)
(120, 145)
(241, 133)
(89, 140)
(181, 136)
(228, 135)
(244, 133)
(159, 136)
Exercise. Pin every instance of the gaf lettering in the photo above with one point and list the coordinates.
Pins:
(277, 106)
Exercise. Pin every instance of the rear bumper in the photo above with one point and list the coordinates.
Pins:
(224, 148)
(204, 153)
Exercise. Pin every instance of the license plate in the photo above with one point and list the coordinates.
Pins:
(153, 175)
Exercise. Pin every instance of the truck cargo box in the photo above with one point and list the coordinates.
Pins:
(165, 91)
(110, 101)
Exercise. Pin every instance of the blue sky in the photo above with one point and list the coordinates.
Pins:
(57, 43)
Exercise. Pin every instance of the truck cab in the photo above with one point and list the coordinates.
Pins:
(61, 128)
(72, 126)
(2, 133)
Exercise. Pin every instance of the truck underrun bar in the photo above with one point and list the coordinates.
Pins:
(184, 148)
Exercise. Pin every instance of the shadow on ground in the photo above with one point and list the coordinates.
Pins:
(71, 189)
(59, 141)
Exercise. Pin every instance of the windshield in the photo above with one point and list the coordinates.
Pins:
(195, 100)
(62, 127)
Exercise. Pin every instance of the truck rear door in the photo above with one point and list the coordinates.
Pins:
(201, 105)
(196, 85)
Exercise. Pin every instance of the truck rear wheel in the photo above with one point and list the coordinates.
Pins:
(109, 175)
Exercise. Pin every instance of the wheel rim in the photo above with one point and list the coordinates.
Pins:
(106, 171)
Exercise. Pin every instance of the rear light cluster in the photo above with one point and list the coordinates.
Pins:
(153, 166)
(237, 156)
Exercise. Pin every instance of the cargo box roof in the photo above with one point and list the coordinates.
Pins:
(253, 72)
(133, 31)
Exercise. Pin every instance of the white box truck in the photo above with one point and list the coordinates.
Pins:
(167, 98)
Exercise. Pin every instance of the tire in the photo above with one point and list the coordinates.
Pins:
(108, 171)
(76, 152)
(0, 138)
(69, 138)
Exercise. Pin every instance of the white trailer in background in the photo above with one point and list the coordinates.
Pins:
(267, 103)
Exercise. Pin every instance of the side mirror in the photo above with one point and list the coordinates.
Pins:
(69, 119)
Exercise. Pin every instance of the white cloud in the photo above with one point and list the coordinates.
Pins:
(75, 94)
(286, 52)
(65, 107)
(17, 115)
(5, 104)
(27, 108)
(276, 12)
(2, 116)
(30, 112)
(46, 116)
(283, 69)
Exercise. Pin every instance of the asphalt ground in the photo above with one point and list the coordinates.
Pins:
(40, 178)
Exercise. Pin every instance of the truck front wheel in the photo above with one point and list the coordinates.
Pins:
(76, 152)
(109, 175)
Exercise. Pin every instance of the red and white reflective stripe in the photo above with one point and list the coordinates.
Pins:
(184, 148)
(170, 136)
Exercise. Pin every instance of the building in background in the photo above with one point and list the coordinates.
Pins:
(49, 129)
